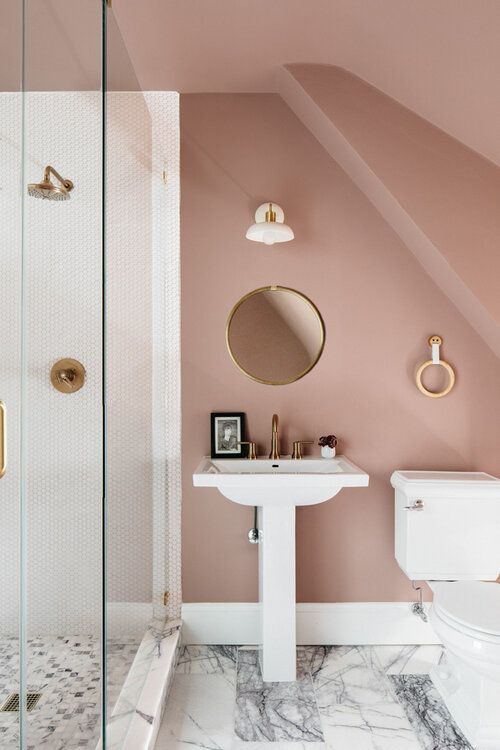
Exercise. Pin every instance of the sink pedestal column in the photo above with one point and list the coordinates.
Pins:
(277, 593)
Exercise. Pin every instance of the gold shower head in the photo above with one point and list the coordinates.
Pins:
(47, 190)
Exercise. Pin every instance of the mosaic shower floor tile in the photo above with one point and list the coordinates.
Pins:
(67, 671)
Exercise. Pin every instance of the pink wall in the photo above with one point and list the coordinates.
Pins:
(379, 307)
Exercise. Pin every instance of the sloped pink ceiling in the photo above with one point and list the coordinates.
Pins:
(441, 197)
(62, 44)
(441, 58)
(63, 47)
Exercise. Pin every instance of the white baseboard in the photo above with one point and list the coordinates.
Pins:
(349, 623)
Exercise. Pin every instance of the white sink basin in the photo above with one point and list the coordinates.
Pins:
(284, 482)
(276, 487)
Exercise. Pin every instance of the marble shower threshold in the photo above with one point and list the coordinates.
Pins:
(138, 711)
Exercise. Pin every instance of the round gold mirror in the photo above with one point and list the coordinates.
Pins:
(275, 335)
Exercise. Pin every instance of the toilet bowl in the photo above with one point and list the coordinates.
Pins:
(466, 617)
(447, 532)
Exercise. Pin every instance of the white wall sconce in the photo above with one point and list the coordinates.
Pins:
(269, 225)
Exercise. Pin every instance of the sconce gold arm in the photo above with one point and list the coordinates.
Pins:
(3, 440)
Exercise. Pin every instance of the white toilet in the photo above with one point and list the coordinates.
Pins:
(447, 532)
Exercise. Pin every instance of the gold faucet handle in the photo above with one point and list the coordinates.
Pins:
(252, 448)
(297, 447)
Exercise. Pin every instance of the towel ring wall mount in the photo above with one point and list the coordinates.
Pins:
(435, 344)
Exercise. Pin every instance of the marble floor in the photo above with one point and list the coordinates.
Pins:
(345, 698)
(67, 671)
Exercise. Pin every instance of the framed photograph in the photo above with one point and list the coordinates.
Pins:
(227, 429)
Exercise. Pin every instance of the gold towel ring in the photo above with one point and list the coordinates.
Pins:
(435, 341)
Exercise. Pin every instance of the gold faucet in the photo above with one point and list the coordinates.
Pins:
(297, 447)
(252, 448)
(275, 440)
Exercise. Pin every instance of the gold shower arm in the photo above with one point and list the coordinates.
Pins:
(50, 170)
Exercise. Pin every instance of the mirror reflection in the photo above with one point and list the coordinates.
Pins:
(275, 335)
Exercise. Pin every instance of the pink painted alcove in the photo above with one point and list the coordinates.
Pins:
(379, 307)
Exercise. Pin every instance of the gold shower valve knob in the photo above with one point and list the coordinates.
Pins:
(67, 375)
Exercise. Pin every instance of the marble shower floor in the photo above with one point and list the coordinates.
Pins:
(346, 698)
(67, 671)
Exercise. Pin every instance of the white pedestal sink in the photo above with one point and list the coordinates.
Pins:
(277, 487)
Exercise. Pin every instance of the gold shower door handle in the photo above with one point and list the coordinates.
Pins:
(3, 440)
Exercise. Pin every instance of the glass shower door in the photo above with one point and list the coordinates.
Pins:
(10, 369)
(63, 438)
(51, 374)
(61, 678)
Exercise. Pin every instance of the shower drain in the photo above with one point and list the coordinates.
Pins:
(12, 702)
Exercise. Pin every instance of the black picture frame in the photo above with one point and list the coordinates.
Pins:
(232, 423)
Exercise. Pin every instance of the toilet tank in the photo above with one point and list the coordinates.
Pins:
(447, 525)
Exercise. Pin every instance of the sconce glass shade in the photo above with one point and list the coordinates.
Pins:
(269, 226)
(269, 232)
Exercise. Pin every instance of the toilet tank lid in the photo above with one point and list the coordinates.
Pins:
(446, 483)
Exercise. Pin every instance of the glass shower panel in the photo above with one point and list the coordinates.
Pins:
(129, 345)
(10, 367)
(81, 256)
(63, 372)
(142, 395)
